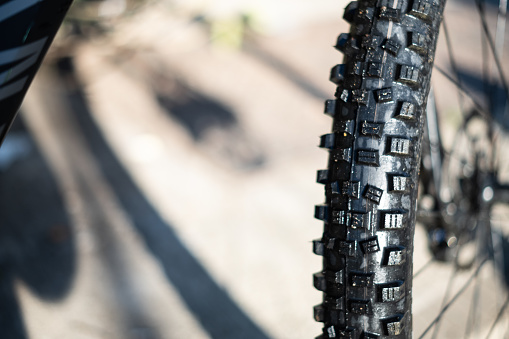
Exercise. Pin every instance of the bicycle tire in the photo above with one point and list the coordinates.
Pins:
(372, 177)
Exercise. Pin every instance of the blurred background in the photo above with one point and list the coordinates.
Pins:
(160, 179)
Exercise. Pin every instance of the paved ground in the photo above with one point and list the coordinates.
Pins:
(166, 183)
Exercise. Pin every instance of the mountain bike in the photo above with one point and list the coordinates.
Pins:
(379, 138)
(390, 165)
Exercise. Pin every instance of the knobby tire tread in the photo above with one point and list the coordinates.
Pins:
(372, 176)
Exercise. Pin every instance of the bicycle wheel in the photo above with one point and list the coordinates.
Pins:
(463, 205)
(372, 177)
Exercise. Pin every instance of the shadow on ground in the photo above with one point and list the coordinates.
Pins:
(212, 125)
(36, 241)
(212, 306)
(196, 112)
(480, 90)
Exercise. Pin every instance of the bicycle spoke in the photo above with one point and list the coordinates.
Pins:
(444, 300)
(501, 21)
(473, 308)
(469, 95)
(453, 153)
(452, 61)
(485, 70)
(489, 38)
(458, 82)
(499, 316)
(423, 268)
(489, 86)
(499, 51)
(455, 298)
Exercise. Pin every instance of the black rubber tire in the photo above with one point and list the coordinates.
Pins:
(372, 177)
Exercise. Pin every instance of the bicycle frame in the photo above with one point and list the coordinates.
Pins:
(31, 27)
